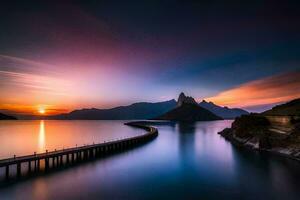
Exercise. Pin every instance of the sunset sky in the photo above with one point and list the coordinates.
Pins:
(56, 56)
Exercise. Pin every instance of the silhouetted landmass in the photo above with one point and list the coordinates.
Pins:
(276, 130)
(144, 110)
(290, 108)
(187, 109)
(189, 112)
(224, 112)
(141, 110)
(6, 117)
(182, 99)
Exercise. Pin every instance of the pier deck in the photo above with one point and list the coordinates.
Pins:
(77, 154)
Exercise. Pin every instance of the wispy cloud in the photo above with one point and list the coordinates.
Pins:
(25, 84)
(270, 90)
(33, 82)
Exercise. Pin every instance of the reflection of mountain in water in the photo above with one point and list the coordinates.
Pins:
(186, 139)
(186, 127)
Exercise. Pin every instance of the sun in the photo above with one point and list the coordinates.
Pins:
(42, 110)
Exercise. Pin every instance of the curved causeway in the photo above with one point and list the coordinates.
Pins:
(71, 156)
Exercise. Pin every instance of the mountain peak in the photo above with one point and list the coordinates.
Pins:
(224, 112)
(182, 99)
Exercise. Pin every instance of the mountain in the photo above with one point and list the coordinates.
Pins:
(188, 110)
(142, 110)
(6, 117)
(182, 99)
(291, 108)
(224, 112)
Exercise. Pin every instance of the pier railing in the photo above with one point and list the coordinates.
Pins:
(69, 156)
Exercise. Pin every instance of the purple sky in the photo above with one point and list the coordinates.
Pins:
(62, 56)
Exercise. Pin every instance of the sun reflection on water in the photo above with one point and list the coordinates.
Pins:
(41, 142)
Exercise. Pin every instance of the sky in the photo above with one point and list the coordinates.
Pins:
(56, 56)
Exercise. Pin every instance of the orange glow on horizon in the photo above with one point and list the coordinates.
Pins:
(33, 109)
(274, 89)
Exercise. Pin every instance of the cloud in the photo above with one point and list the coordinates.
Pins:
(30, 75)
(32, 82)
(24, 84)
(270, 90)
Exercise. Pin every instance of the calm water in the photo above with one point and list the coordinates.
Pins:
(26, 137)
(186, 161)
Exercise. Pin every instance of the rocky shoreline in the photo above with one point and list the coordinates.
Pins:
(258, 133)
(250, 144)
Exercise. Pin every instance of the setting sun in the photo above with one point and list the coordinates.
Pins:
(42, 111)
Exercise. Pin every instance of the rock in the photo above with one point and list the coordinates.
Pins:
(182, 99)
(250, 125)
(276, 130)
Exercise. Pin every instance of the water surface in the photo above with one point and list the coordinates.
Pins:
(24, 137)
(186, 161)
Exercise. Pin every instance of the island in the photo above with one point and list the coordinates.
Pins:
(187, 110)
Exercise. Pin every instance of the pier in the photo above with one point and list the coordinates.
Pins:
(70, 156)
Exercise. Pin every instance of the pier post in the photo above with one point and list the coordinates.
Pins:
(29, 166)
(38, 164)
(18, 170)
(84, 154)
(53, 161)
(88, 153)
(61, 160)
(46, 164)
(7, 172)
(79, 156)
(35, 165)
(68, 158)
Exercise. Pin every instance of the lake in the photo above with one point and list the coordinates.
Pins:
(186, 161)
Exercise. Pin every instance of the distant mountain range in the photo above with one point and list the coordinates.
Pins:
(144, 110)
(224, 112)
(141, 110)
(6, 117)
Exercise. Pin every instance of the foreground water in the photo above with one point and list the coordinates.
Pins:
(186, 161)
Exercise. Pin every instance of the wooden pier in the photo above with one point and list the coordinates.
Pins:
(70, 156)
